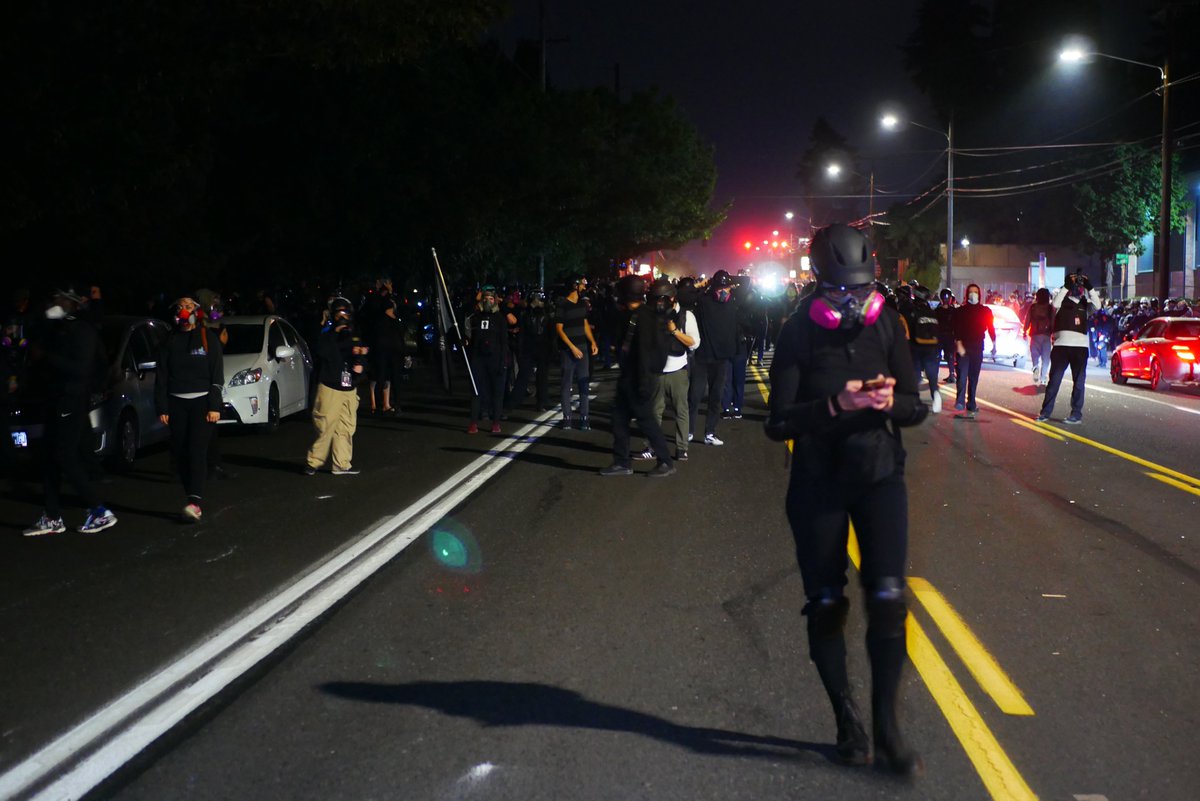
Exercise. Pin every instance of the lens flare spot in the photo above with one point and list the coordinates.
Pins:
(452, 545)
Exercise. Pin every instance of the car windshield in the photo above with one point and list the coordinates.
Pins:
(1184, 328)
(244, 338)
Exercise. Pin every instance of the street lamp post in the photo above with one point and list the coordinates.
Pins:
(1162, 268)
(835, 169)
(890, 121)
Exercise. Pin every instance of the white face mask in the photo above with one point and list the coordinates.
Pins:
(56, 313)
(973, 297)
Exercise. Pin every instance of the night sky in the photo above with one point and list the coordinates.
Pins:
(755, 76)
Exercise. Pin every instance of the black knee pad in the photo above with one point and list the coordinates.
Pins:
(826, 615)
(887, 608)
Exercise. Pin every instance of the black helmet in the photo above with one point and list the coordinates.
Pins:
(945, 295)
(340, 305)
(841, 256)
(921, 292)
(662, 288)
(721, 279)
(631, 289)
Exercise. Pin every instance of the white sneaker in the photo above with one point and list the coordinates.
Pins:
(937, 402)
(1037, 371)
(711, 439)
(644, 456)
(691, 437)
(192, 513)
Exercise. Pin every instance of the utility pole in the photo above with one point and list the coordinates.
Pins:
(1162, 269)
(950, 204)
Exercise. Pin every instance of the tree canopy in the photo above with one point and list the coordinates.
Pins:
(269, 141)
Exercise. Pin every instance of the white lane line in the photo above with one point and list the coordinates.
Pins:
(1132, 396)
(149, 710)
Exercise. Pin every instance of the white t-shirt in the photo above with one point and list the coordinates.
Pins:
(676, 363)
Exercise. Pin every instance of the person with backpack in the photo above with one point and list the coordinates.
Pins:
(945, 318)
(921, 325)
(1038, 322)
(842, 383)
(673, 382)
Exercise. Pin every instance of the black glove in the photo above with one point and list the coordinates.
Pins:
(1087, 283)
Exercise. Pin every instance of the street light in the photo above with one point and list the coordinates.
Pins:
(1162, 273)
(890, 122)
(835, 169)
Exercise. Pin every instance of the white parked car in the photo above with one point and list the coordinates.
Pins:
(268, 370)
(1011, 345)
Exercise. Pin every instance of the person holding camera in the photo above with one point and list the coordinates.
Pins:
(340, 356)
(1073, 305)
(842, 383)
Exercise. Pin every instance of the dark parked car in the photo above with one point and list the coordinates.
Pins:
(122, 413)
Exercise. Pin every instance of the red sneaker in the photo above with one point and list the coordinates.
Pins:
(495, 428)
(472, 429)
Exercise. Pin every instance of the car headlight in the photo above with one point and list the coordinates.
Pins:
(243, 377)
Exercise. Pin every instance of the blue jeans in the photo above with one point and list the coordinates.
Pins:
(969, 365)
(1060, 357)
(1039, 356)
(574, 371)
(925, 360)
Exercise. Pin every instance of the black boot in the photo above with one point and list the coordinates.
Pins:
(827, 649)
(887, 648)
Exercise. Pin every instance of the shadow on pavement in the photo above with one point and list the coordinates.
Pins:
(502, 703)
(1030, 390)
(244, 460)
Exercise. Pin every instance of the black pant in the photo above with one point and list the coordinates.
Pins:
(630, 404)
(530, 364)
(67, 435)
(708, 379)
(1062, 357)
(191, 434)
(489, 381)
(820, 511)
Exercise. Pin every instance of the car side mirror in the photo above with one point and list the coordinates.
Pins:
(284, 352)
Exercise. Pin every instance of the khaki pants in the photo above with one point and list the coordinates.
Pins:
(335, 416)
(672, 388)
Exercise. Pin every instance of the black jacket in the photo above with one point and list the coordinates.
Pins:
(335, 358)
(812, 364)
(643, 346)
(73, 361)
(718, 328)
(190, 361)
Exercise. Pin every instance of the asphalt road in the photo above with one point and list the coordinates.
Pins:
(579, 637)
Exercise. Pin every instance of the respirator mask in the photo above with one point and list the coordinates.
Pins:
(844, 307)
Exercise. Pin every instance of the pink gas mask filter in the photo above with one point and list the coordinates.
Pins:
(846, 307)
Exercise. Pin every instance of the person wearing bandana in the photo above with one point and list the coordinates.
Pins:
(1073, 305)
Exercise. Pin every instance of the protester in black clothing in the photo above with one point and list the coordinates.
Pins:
(642, 350)
(716, 313)
(72, 354)
(576, 344)
(187, 395)
(486, 337)
(841, 383)
(945, 318)
(387, 354)
(971, 322)
(534, 347)
(212, 310)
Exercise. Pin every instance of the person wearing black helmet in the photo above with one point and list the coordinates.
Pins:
(842, 383)
(340, 357)
(486, 336)
(672, 385)
(922, 327)
(642, 350)
(576, 344)
(717, 315)
(945, 318)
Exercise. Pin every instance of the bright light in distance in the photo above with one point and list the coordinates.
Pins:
(774, 233)
(804, 263)
(889, 121)
(966, 243)
(834, 170)
(774, 244)
(788, 215)
(1071, 55)
(791, 273)
(748, 245)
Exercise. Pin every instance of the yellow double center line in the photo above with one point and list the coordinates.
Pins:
(1155, 471)
(1001, 778)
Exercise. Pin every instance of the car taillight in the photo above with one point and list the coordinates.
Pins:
(1184, 352)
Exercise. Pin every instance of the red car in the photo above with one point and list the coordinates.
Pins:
(1164, 352)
